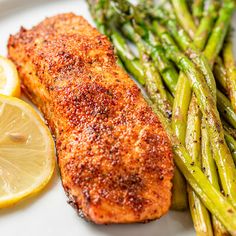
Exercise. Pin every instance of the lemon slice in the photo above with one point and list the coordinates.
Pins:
(9, 79)
(26, 151)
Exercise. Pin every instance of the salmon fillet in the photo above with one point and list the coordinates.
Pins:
(114, 156)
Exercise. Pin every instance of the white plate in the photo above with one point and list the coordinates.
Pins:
(49, 214)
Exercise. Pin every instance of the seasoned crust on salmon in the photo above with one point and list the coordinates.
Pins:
(114, 156)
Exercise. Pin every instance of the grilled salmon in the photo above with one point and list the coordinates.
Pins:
(114, 156)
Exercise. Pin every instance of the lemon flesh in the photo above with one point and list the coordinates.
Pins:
(27, 155)
(9, 79)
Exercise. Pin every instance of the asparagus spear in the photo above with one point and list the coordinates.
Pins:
(197, 10)
(186, 45)
(219, 32)
(207, 105)
(209, 168)
(225, 109)
(180, 107)
(154, 85)
(127, 57)
(184, 17)
(97, 10)
(205, 26)
(230, 66)
(166, 68)
(155, 50)
(220, 74)
(224, 105)
(200, 215)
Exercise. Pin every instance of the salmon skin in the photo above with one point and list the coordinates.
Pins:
(114, 156)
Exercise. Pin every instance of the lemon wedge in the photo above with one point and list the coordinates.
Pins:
(27, 156)
(9, 79)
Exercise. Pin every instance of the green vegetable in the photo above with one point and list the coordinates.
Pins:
(198, 9)
(200, 215)
(207, 105)
(229, 62)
